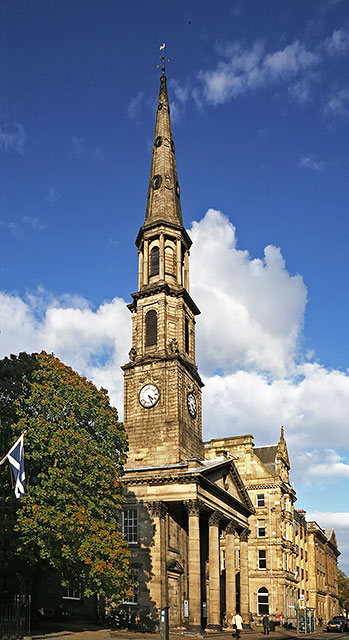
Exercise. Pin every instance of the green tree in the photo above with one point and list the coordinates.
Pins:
(74, 454)
(343, 590)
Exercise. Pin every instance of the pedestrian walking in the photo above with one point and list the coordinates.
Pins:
(237, 624)
(266, 624)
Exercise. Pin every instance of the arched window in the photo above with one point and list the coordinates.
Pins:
(186, 335)
(151, 328)
(262, 601)
(154, 261)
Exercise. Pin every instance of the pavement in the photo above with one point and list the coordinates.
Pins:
(88, 632)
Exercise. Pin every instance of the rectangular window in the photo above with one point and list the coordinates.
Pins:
(237, 559)
(132, 598)
(72, 593)
(297, 550)
(262, 559)
(296, 524)
(130, 525)
(222, 560)
(261, 528)
(260, 500)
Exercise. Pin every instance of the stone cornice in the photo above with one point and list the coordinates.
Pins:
(164, 287)
(166, 358)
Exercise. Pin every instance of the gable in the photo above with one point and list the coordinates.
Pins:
(227, 477)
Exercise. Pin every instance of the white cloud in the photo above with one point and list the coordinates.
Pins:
(33, 222)
(296, 66)
(309, 162)
(13, 138)
(78, 144)
(252, 309)
(53, 195)
(338, 103)
(254, 68)
(329, 520)
(135, 105)
(95, 343)
(338, 42)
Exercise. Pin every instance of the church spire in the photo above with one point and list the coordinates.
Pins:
(163, 203)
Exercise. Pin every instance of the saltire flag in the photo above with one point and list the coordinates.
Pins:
(16, 459)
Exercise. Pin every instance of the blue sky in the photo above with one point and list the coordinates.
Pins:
(259, 96)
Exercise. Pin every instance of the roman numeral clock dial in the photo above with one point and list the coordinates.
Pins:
(148, 396)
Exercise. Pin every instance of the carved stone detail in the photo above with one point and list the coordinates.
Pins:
(231, 527)
(244, 535)
(132, 354)
(174, 346)
(193, 507)
(214, 519)
(157, 509)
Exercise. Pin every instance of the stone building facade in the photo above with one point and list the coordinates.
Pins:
(271, 548)
(292, 562)
(322, 571)
(179, 505)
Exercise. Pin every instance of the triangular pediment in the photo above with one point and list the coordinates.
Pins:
(175, 567)
(226, 476)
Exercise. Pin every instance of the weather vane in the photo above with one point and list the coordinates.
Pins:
(162, 57)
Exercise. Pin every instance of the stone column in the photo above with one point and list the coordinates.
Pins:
(179, 261)
(230, 586)
(214, 603)
(158, 583)
(244, 583)
(145, 261)
(162, 257)
(140, 269)
(186, 270)
(194, 565)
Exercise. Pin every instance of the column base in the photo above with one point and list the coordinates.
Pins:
(213, 627)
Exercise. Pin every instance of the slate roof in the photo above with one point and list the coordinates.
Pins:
(267, 455)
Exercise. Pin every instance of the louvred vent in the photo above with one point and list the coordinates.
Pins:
(151, 328)
(154, 261)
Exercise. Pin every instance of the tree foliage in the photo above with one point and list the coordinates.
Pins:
(343, 590)
(74, 455)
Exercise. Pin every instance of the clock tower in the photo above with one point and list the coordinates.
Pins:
(162, 387)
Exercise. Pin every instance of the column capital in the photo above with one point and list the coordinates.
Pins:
(214, 519)
(231, 527)
(193, 507)
(157, 509)
(244, 535)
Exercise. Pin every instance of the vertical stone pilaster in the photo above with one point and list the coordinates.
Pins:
(162, 257)
(140, 269)
(146, 262)
(158, 584)
(194, 564)
(179, 261)
(244, 583)
(214, 604)
(230, 587)
(186, 270)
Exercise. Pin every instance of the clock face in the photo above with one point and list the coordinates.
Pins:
(191, 404)
(149, 395)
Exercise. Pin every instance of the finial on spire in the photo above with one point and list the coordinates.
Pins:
(282, 432)
(162, 49)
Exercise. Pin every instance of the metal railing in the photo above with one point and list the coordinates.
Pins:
(15, 618)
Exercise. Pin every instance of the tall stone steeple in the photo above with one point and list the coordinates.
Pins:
(163, 203)
(162, 385)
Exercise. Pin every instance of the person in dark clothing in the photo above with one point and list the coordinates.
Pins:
(266, 624)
